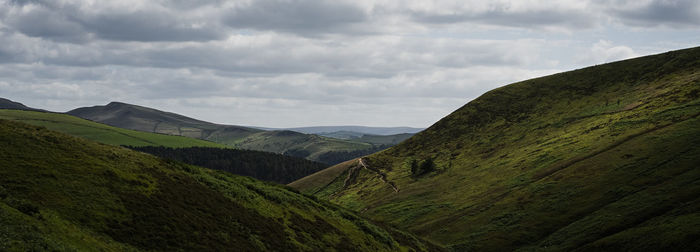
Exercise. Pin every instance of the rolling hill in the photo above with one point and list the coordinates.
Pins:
(63, 193)
(8, 104)
(312, 147)
(140, 118)
(601, 158)
(100, 132)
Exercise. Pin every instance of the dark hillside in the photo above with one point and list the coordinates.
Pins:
(8, 104)
(141, 118)
(62, 193)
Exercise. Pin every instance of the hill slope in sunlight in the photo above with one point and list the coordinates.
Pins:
(604, 157)
(100, 132)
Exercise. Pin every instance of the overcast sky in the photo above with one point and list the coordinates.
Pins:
(287, 63)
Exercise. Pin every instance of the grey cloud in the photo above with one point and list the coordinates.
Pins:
(73, 22)
(282, 54)
(147, 26)
(506, 17)
(42, 22)
(304, 17)
(193, 4)
(685, 13)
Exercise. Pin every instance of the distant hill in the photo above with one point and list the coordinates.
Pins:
(8, 104)
(321, 130)
(389, 140)
(63, 193)
(313, 147)
(140, 118)
(603, 158)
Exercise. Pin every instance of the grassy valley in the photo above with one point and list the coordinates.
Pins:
(601, 158)
(63, 193)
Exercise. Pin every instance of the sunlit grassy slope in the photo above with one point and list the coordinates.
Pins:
(100, 132)
(297, 144)
(605, 157)
(63, 193)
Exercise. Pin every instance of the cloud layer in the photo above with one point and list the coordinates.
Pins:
(285, 63)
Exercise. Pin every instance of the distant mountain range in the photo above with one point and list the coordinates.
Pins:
(350, 130)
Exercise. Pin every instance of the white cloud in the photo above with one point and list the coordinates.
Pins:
(604, 51)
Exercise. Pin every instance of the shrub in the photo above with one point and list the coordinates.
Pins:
(427, 166)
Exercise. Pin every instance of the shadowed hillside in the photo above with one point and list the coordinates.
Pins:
(140, 118)
(601, 158)
(8, 104)
(62, 193)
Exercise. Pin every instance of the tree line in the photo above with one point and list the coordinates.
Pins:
(257, 164)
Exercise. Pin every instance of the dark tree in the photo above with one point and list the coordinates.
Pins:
(427, 166)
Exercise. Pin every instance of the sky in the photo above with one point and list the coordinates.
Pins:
(291, 63)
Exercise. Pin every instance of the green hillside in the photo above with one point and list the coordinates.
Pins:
(99, 132)
(601, 158)
(389, 140)
(296, 144)
(63, 193)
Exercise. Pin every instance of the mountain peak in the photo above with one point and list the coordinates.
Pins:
(116, 103)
